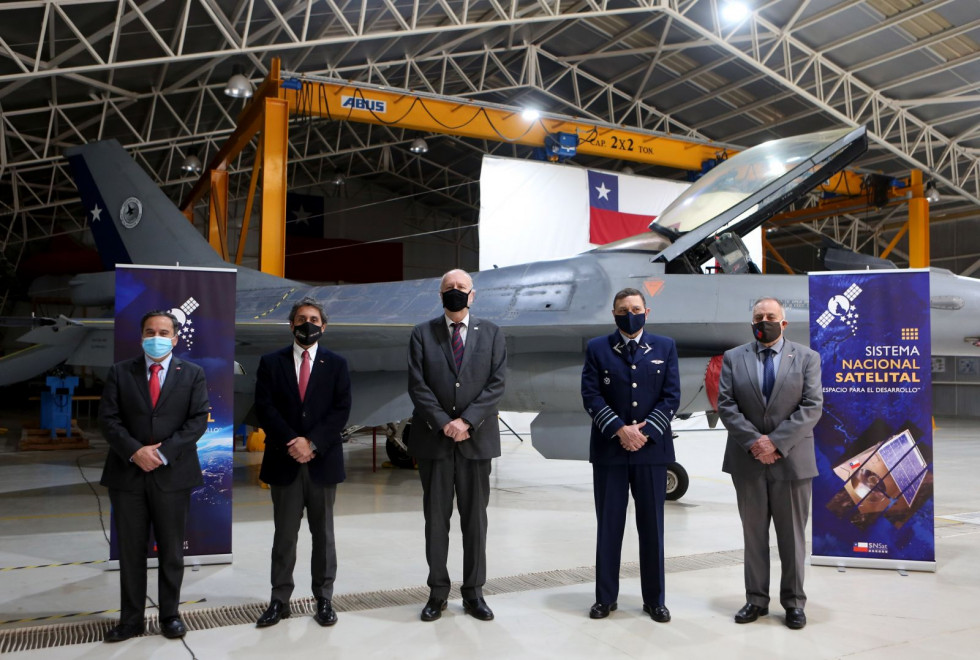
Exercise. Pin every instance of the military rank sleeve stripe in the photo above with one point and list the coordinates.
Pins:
(604, 418)
(658, 420)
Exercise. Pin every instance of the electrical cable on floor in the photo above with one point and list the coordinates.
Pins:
(98, 500)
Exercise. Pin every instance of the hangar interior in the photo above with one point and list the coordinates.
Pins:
(153, 75)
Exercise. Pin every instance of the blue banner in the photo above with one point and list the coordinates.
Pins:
(203, 300)
(873, 499)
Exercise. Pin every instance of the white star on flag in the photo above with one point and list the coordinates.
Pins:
(96, 212)
(603, 191)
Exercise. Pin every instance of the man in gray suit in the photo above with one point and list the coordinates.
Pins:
(770, 398)
(456, 368)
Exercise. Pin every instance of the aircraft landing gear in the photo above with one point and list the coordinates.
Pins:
(677, 481)
(396, 451)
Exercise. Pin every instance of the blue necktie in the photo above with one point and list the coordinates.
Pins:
(457, 344)
(631, 349)
(768, 372)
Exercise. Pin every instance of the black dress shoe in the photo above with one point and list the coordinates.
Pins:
(660, 614)
(276, 610)
(173, 628)
(750, 613)
(478, 609)
(601, 610)
(795, 618)
(325, 615)
(433, 609)
(121, 633)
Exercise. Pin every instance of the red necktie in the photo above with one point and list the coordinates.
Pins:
(155, 370)
(304, 375)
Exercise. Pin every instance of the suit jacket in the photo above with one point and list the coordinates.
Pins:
(788, 418)
(321, 416)
(617, 391)
(178, 421)
(440, 394)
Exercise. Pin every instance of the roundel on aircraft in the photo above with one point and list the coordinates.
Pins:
(131, 212)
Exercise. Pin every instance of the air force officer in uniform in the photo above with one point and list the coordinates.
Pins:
(631, 389)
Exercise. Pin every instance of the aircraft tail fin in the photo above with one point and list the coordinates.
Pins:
(132, 220)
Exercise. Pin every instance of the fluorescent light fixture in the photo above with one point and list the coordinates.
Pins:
(530, 114)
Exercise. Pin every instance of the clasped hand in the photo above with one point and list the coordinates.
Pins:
(631, 438)
(147, 458)
(764, 451)
(301, 449)
(458, 430)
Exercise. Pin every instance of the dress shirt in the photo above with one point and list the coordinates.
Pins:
(778, 348)
(162, 375)
(298, 358)
(462, 329)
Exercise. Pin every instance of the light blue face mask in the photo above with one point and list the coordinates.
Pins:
(157, 347)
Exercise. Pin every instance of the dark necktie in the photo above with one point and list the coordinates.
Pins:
(155, 370)
(768, 372)
(457, 344)
(304, 375)
(631, 348)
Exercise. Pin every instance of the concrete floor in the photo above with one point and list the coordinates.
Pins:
(541, 520)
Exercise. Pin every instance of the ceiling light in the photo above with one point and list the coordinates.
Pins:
(734, 11)
(239, 86)
(419, 146)
(191, 164)
(627, 170)
(932, 193)
(530, 114)
(338, 179)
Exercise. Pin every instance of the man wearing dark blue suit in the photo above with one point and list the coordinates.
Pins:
(154, 410)
(631, 389)
(302, 398)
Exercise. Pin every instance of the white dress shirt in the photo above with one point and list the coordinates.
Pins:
(462, 329)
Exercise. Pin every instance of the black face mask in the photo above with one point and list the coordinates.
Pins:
(307, 333)
(767, 331)
(630, 323)
(455, 300)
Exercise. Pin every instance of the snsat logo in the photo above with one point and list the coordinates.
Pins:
(361, 103)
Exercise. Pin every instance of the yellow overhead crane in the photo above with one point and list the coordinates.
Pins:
(276, 100)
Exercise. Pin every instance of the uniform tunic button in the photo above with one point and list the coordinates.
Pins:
(634, 404)
(632, 366)
(634, 384)
(633, 422)
(457, 384)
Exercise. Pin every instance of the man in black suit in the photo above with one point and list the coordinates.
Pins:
(154, 410)
(302, 398)
(456, 368)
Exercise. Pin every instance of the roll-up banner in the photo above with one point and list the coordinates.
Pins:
(873, 499)
(203, 300)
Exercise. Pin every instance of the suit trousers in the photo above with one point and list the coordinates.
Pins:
(469, 480)
(611, 486)
(135, 512)
(785, 502)
(288, 503)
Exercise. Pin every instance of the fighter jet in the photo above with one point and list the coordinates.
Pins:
(548, 310)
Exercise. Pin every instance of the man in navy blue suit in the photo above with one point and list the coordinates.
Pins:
(302, 398)
(631, 389)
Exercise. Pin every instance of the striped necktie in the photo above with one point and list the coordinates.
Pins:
(457, 344)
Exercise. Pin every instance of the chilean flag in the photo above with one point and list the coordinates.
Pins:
(859, 547)
(609, 219)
